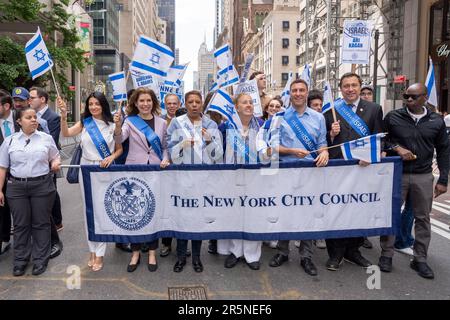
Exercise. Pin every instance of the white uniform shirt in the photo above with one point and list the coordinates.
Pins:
(90, 152)
(28, 157)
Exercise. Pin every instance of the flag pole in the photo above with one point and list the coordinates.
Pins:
(334, 113)
(54, 82)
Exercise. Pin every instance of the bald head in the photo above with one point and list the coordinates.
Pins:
(417, 88)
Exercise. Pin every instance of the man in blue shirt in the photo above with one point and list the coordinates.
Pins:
(301, 134)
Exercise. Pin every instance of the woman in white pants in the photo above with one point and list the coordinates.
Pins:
(96, 118)
(240, 148)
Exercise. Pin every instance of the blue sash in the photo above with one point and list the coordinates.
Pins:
(97, 137)
(352, 118)
(301, 133)
(151, 136)
(239, 145)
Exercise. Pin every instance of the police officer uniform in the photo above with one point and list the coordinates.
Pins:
(30, 194)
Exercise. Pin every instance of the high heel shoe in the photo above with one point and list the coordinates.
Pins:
(133, 267)
(98, 264)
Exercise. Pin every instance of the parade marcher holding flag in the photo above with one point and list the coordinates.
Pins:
(29, 155)
(146, 132)
(99, 148)
(193, 139)
(262, 84)
(413, 134)
(301, 131)
(239, 140)
(356, 118)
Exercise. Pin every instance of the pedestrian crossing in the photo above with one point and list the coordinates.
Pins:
(437, 226)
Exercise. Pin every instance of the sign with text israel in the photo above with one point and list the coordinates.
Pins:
(130, 204)
(357, 37)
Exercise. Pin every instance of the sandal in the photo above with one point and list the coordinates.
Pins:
(98, 265)
(91, 261)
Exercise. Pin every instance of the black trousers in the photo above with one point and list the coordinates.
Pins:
(151, 245)
(338, 248)
(5, 220)
(167, 242)
(56, 210)
(182, 248)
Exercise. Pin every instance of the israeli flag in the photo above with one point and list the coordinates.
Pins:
(119, 86)
(367, 149)
(38, 57)
(328, 101)
(431, 86)
(226, 78)
(175, 75)
(223, 57)
(286, 94)
(306, 75)
(223, 104)
(152, 57)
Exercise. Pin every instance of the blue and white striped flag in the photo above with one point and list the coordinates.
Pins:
(286, 94)
(226, 78)
(328, 101)
(223, 104)
(367, 149)
(152, 57)
(431, 86)
(38, 57)
(175, 75)
(223, 57)
(306, 75)
(119, 86)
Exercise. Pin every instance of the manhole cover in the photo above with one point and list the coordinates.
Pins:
(187, 293)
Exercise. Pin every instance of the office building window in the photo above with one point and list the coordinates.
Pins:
(285, 25)
(285, 43)
(285, 60)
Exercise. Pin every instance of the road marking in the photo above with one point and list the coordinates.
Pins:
(440, 232)
(435, 207)
(440, 224)
(441, 205)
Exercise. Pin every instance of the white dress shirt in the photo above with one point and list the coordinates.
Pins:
(10, 121)
(90, 152)
(28, 156)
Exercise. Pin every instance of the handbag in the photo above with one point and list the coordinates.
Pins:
(72, 173)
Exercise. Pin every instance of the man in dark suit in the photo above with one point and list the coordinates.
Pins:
(341, 131)
(8, 126)
(50, 122)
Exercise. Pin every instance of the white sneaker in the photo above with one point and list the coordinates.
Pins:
(297, 243)
(408, 251)
(273, 244)
(321, 244)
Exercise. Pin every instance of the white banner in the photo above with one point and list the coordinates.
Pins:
(357, 37)
(142, 203)
(250, 87)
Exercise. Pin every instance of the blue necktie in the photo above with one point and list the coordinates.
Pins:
(7, 129)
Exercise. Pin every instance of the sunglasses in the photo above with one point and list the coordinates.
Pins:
(412, 96)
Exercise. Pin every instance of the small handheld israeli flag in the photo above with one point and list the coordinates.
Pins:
(367, 149)
(328, 101)
(431, 86)
(306, 75)
(152, 57)
(223, 104)
(38, 58)
(175, 75)
(286, 94)
(223, 57)
(119, 86)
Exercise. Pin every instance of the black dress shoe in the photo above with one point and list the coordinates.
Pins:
(278, 260)
(385, 264)
(197, 264)
(124, 247)
(231, 261)
(39, 269)
(333, 264)
(56, 250)
(19, 271)
(212, 247)
(423, 269)
(367, 244)
(178, 267)
(254, 265)
(165, 251)
(152, 267)
(133, 267)
(356, 258)
(308, 266)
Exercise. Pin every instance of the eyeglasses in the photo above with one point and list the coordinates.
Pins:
(412, 96)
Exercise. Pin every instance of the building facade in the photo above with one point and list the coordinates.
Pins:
(166, 11)
(205, 69)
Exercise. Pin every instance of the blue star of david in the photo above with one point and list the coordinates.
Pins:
(230, 109)
(359, 144)
(155, 58)
(39, 55)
